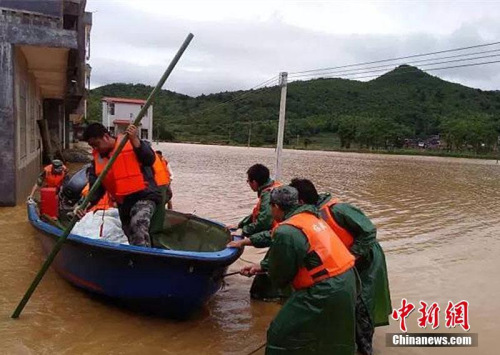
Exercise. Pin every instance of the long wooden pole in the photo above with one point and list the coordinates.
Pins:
(64, 236)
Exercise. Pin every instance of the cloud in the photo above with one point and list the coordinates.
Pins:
(131, 45)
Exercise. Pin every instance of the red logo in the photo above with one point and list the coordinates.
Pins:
(402, 313)
(429, 315)
(457, 314)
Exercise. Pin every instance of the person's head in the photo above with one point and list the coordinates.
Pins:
(283, 198)
(57, 166)
(159, 153)
(99, 138)
(257, 176)
(307, 191)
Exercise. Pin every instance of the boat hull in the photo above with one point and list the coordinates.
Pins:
(167, 282)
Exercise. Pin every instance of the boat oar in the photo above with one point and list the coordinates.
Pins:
(96, 185)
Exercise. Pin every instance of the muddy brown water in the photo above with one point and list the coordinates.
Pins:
(438, 222)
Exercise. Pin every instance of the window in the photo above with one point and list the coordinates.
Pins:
(111, 108)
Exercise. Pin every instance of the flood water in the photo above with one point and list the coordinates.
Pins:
(438, 222)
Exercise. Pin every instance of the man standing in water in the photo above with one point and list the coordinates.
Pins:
(358, 234)
(261, 219)
(318, 318)
(256, 228)
(130, 181)
(53, 175)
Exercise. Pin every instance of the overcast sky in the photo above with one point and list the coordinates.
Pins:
(240, 44)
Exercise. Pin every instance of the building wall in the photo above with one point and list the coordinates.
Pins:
(22, 98)
(28, 110)
(127, 111)
(7, 133)
(46, 7)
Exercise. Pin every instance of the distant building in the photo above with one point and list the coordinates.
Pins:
(43, 72)
(118, 113)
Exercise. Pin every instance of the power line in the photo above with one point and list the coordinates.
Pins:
(430, 69)
(400, 63)
(398, 58)
(347, 73)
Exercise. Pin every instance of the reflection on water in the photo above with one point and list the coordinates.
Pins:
(438, 222)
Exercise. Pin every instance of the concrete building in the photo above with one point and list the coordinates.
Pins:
(43, 47)
(118, 113)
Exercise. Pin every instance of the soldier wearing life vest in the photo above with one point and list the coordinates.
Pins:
(256, 229)
(163, 177)
(318, 318)
(53, 175)
(130, 181)
(261, 219)
(358, 234)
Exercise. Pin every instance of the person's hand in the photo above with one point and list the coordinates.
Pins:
(79, 212)
(232, 227)
(132, 135)
(251, 270)
(239, 243)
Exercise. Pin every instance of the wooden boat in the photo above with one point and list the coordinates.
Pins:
(173, 282)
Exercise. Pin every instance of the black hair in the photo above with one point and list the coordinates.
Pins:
(159, 153)
(259, 173)
(306, 189)
(94, 130)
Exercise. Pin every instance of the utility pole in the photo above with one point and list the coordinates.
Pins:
(281, 124)
(297, 141)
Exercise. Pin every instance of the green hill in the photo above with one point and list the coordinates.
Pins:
(395, 110)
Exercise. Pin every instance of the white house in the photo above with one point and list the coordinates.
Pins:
(118, 113)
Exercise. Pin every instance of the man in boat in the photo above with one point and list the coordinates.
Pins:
(163, 177)
(359, 235)
(318, 318)
(256, 229)
(106, 202)
(53, 175)
(130, 181)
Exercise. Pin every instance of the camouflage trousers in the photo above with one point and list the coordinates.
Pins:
(136, 227)
(364, 328)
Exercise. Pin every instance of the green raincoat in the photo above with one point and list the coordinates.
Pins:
(259, 233)
(264, 220)
(371, 264)
(316, 320)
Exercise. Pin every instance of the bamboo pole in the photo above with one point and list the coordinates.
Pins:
(64, 236)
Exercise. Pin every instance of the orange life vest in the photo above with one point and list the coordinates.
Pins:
(125, 176)
(51, 179)
(256, 209)
(104, 203)
(334, 256)
(162, 175)
(326, 213)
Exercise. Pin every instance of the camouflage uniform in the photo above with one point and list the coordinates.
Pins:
(136, 227)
